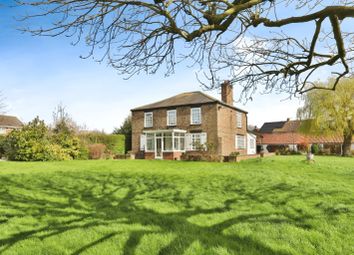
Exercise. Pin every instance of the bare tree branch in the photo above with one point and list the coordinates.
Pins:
(222, 37)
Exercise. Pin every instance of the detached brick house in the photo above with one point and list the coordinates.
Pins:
(191, 122)
(9, 123)
(273, 135)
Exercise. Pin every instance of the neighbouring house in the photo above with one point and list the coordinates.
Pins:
(286, 134)
(9, 123)
(191, 123)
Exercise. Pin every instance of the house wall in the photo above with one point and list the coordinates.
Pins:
(208, 125)
(251, 137)
(227, 130)
(6, 130)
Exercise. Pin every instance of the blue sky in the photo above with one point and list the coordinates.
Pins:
(38, 73)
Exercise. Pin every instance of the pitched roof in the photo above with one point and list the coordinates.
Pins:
(298, 138)
(268, 127)
(288, 132)
(10, 121)
(289, 126)
(187, 98)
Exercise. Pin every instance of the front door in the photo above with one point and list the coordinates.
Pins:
(158, 149)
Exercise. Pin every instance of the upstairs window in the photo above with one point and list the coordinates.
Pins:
(148, 119)
(240, 142)
(196, 116)
(239, 119)
(171, 118)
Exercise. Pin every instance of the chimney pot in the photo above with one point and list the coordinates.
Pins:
(227, 95)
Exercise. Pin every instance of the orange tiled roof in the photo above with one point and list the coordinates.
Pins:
(287, 132)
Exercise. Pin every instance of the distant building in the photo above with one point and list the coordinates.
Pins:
(9, 123)
(280, 134)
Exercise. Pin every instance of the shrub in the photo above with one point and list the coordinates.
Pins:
(31, 143)
(126, 130)
(97, 151)
(2, 144)
(315, 148)
(35, 142)
(234, 154)
(303, 147)
(57, 152)
(114, 143)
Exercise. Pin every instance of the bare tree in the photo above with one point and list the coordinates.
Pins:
(62, 121)
(222, 37)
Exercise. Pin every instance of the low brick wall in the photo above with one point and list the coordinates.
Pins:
(172, 155)
(244, 157)
(177, 156)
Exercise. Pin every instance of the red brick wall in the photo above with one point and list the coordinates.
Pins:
(218, 121)
(209, 123)
(227, 129)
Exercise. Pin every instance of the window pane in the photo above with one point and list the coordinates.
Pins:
(239, 119)
(240, 142)
(171, 118)
(196, 117)
(182, 143)
(167, 140)
(195, 141)
(150, 142)
(177, 145)
(148, 119)
(252, 143)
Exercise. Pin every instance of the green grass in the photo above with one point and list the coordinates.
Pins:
(280, 205)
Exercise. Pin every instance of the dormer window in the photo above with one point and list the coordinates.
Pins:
(171, 118)
(196, 116)
(148, 119)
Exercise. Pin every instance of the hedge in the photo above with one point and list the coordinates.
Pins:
(114, 143)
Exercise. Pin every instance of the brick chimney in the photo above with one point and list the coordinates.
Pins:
(227, 95)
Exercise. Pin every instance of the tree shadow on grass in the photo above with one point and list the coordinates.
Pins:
(95, 202)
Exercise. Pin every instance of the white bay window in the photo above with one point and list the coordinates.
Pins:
(163, 140)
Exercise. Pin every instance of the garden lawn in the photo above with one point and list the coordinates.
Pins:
(279, 205)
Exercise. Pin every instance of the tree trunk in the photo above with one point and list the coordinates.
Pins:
(347, 142)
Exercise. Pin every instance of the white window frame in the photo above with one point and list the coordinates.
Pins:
(239, 119)
(237, 147)
(252, 143)
(169, 123)
(199, 112)
(152, 137)
(146, 124)
(193, 137)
